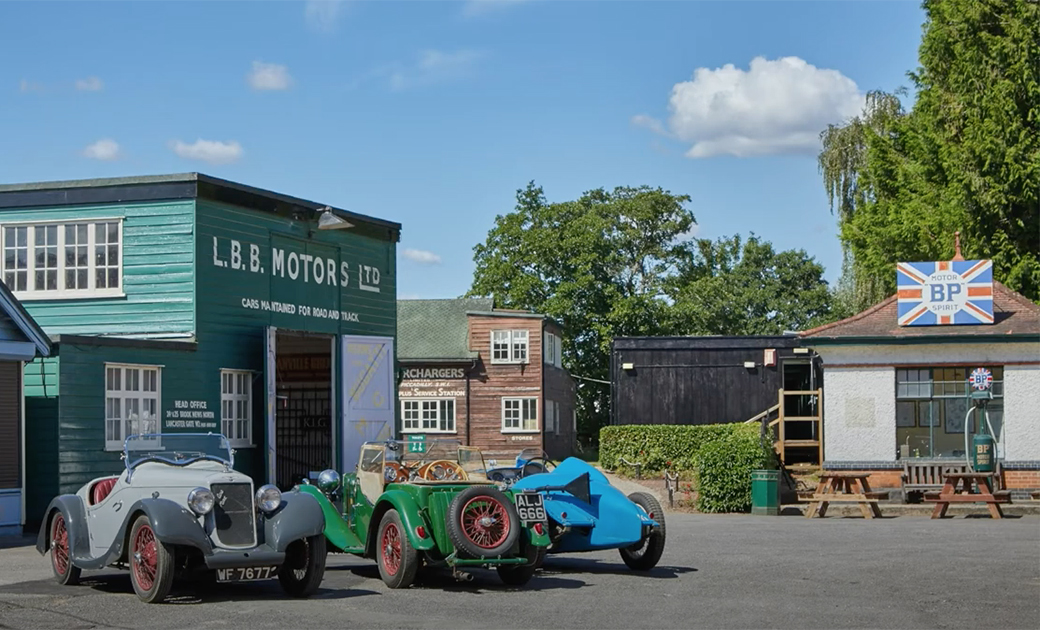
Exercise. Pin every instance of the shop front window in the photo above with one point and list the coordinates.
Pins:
(932, 410)
(131, 402)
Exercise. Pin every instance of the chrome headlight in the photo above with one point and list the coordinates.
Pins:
(268, 498)
(328, 480)
(201, 501)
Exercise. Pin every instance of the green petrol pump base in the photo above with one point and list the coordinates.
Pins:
(765, 492)
(983, 459)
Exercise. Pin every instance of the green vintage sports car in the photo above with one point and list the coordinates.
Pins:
(413, 503)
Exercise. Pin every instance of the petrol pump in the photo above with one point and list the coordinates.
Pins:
(983, 456)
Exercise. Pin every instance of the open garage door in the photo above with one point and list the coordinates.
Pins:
(367, 412)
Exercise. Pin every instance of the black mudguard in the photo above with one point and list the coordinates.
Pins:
(299, 516)
(71, 507)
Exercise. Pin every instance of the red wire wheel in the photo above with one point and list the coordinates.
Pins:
(61, 557)
(151, 562)
(143, 557)
(390, 548)
(397, 559)
(482, 522)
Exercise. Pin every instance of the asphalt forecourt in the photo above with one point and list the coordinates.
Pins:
(736, 571)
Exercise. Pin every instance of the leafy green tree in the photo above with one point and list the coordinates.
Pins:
(966, 157)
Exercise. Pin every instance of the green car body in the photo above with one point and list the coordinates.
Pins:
(356, 511)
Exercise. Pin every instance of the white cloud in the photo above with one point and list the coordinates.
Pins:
(104, 149)
(773, 107)
(29, 86)
(432, 66)
(269, 76)
(90, 84)
(480, 7)
(323, 15)
(421, 256)
(212, 151)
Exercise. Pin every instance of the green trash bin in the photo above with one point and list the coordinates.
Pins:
(765, 492)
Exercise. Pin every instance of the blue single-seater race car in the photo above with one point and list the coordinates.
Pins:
(586, 513)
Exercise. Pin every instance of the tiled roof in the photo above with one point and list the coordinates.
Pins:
(1013, 314)
(436, 329)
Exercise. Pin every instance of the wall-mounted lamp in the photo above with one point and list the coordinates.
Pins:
(329, 221)
(628, 366)
(749, 365)
(801, 351)
(769, 357)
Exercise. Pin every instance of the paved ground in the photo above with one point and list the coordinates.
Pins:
(737, 571)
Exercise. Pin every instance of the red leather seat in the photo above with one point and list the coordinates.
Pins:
(101, 489)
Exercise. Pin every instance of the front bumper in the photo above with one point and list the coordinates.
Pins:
(259, 556)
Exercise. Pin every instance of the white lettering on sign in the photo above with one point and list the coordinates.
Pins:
(945, 292)
(189, 409)
(430, 389)
(301, 309)
(416, 373)
(306, 268)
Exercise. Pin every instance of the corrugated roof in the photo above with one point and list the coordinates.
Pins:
(436, 329)
(1013, 314)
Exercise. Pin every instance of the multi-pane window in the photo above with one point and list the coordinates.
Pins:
(509, 346)
(428, 415)
(552, 417)
(236, 406)
(63, 260)
(519, 414)
(131, 402)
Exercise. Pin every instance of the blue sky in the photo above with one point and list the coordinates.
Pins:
(433, 113)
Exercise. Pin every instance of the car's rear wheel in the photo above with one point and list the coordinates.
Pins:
(151, 562)
(65, 573)
(520, 574)
(482, 522)
(397, 558)
(645, 554)
(304, 567)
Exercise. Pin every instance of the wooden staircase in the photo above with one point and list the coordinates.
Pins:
(778, 428)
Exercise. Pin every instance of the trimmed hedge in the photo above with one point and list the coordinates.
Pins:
(721, 456)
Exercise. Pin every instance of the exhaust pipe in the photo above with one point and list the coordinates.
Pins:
(462, 576)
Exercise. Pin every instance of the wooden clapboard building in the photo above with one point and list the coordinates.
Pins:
(488, 377)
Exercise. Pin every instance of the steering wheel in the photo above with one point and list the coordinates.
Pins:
(444, 470)
(537, 465)
(394, 472)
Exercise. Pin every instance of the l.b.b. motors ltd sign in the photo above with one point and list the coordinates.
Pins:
(945, 293)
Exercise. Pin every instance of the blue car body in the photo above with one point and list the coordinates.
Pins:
(609, 520)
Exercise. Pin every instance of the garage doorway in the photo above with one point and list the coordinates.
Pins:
(304, 407)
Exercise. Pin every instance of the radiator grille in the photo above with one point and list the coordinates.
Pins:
(233, 514)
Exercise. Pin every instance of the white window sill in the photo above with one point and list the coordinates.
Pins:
(521, 431)
(437, 431)
(69, 295)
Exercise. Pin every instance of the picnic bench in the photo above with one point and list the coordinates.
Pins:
(845, 487)
(927, 476)
(969, 481)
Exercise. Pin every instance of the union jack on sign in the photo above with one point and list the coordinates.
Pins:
(945, 293)
(980, 379)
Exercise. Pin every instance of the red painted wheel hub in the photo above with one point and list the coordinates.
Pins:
(60, 545)
(144, 561)
(485, 522)
(391, 549)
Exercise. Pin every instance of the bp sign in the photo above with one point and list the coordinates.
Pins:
(945, 293)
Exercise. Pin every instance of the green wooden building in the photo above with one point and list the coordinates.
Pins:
(190, 303)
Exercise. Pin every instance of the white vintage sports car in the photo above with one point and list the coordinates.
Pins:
(181, 508)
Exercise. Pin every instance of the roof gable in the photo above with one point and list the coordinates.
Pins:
(1013, 315)
(17, 325)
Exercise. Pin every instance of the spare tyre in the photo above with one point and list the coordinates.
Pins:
(482, 522)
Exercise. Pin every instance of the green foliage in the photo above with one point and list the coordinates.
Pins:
(722, 457)
(623, 263)
(966, 157)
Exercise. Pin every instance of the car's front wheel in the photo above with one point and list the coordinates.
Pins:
(304, 567)
(398, 560)
(151, 562)
(65, 573)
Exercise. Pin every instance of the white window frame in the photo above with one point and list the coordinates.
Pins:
(552, 350)
(62, 293)
(237, 400)
(421, 424)
(122, 396)
(552, 417)
(514, 339)
(524, 404)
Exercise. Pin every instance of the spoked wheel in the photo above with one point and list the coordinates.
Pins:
(482, 522)
(151, 563)
(304, 567)
(398, 560)
(645, 554)
(65, 573)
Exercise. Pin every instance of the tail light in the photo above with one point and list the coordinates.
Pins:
(420, 531)
(539, 529)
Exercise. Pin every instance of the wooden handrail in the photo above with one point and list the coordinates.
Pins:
(764, 414)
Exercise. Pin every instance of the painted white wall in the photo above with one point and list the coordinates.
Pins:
(1022, 413)
(930, 354)
(859, 414)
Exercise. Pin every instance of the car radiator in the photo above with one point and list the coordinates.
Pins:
(234, 514)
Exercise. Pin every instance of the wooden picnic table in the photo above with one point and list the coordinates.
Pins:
(845, 487)
(969, 481)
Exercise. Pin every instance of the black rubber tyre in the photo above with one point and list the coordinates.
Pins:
(520, 574)
(304, 567)
(645, 554)
(65, 573)
(397, 559)
(152, 581)
(467, 528)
